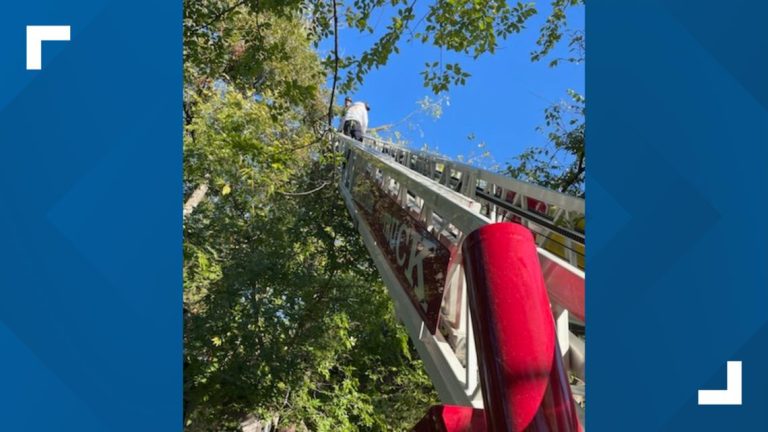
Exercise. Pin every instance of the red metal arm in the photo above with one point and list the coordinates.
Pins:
(525, 386)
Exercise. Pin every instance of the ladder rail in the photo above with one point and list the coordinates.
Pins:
(566, 201)
(448, 214)
(557, 219)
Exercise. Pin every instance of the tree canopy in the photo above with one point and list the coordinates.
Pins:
(560, 165)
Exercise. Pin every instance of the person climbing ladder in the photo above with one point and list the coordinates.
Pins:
(355, 121)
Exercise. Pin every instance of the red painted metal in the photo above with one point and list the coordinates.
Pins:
(418, 258)
(564, 287)
(451, 418)
(537, 206)
(525, 386)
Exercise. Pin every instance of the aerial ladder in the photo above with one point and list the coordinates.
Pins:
(486, 273)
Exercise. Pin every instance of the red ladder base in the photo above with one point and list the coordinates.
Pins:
(451, 418)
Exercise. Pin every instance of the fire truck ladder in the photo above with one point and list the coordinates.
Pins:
(494, 308)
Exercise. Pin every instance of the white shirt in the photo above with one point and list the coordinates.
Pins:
(359, 113)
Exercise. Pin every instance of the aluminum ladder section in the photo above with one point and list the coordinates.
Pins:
(413, 224)
(556, 219)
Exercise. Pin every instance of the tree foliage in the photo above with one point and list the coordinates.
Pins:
(472, 27)
(286, 320)
(561, 164)
(553, 31)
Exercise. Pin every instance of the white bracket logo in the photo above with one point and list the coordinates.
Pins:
(732, 393)
(35, 37)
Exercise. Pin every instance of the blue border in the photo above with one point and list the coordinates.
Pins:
(90, 219)
(677, 134)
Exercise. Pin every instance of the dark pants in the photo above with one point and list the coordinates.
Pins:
(352, 129)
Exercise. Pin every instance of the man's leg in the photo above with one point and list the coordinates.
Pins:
(357, 132)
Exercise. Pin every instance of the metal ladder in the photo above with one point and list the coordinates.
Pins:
(413, 209)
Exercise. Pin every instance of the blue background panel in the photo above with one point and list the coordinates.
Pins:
(90, 218)
(90, 224)
(677, 138)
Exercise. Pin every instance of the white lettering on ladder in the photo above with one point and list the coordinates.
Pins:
(401, 235)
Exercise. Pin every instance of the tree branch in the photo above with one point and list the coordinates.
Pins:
(335, 63)
(195, 199)
(576, 174)
(221, 14)
(309, 192)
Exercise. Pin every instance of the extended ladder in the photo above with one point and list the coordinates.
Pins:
(413, 210)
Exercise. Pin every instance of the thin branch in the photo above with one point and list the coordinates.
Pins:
(320, 137)
(335, 63)
(221, 14)
(304, 193)
(576, 174)
(391, 125)
(418, 23)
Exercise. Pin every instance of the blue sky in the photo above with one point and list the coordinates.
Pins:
(501, 104)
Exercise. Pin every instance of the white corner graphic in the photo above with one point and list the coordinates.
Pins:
(35, 37)
(731, 395)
